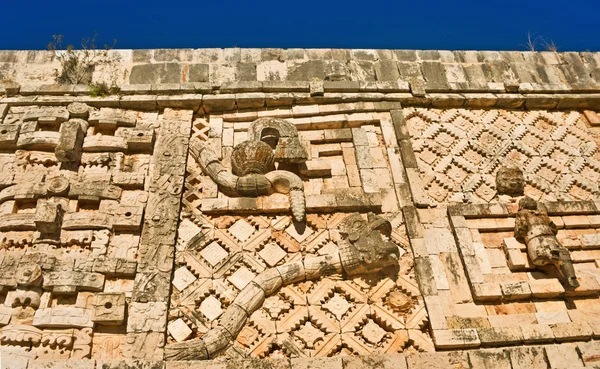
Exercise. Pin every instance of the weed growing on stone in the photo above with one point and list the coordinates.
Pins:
(77, 65)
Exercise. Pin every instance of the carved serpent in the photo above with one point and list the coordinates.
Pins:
(365, 248)
(253, 184)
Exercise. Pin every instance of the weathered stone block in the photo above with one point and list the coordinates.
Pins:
(156, 73)
(396, 361)
(443, 360)
(109, 308)
(563, 356)
(490, 359)
(317, 363)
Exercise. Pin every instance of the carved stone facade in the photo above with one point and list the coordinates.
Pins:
(338, 283)
(402, 218)
(89, 208)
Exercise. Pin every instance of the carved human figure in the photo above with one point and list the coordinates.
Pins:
(533, 226)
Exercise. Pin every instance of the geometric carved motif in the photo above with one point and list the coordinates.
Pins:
(77, 186)
(458, 152)
(226, 241)
(327, 317)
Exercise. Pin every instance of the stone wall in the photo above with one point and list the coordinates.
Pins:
(308, 208)
(427, 71)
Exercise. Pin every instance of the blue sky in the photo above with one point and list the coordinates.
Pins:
(457, 25)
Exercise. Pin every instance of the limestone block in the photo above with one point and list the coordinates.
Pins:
(456, 338)
(5, 315)
(129, 180)
(46, 115)
(109, 117)
(276, 202)
(127, 218)
(223, 102)
(241, 277)
(316, 168)
(63, 317)
(234, 318)
(38, 140)
(291, 272)
(270, 281)
(48, 216)
(78, 110)
(445, 360)
(496, 359)
(316, 267)
(500, 336)
(61, 364)
(517, 260)
(147, 317)
(28, 274)
(137, 139)
(12, 361)
(216, 340)
(102, 143)
(515, 290)
(323, 202)
(528, 358)
(71, 140)
(317, 363)
(552, 317)
(9, 134)
(95, 189)
(487, 291)
(590, 352)
(512, 320)
(16, 222)
(571, 331)
(375, 361)
(563, 356)
(108, 308)
(145, 345)
(537, 333)
(179, 330)
(183, 278)
(114, 267)
(71, 281)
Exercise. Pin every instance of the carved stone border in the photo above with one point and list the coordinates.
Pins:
(548, 356)
(152, 284)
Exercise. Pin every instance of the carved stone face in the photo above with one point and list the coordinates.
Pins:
(510, 181)
(29, 275)
(368, 247)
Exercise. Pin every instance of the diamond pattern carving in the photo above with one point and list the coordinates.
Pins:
(213, 253)
(372, 333)
(309, 334)
(459, 151)
(241, 230)
(337, 306)
(241, 277)
(272, 254)
(211, 308)
(324, 317)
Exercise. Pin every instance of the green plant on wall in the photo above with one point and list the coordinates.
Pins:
(77, 65)
(101, 89)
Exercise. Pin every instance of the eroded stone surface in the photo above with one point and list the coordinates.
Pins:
(90, 211)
